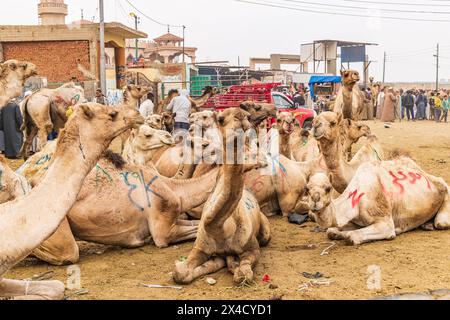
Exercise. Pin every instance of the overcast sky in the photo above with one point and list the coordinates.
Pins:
(226, 29)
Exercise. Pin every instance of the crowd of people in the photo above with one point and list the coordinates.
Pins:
(412, 105)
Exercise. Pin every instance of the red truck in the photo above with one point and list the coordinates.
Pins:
(264, 93)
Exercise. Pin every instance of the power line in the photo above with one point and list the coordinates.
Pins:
(400, 3)
(152, 19)
(273, 5)
(365, 8)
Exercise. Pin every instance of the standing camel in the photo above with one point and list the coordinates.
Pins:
(24, 225)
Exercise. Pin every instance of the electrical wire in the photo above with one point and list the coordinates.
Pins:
(365, 8)
(273, 5)
(152, 19)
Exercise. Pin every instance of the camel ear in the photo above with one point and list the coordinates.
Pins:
(244, 106)
(87, 111)
(342, 72)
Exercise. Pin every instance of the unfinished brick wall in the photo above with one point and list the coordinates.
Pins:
(56, 60)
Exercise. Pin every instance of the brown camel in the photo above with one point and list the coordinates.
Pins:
(232, 227)
(350, 100)
(160, 108)
(45, 110)
(13, 74)
(197, 103)
(327, 131)
(285, 126)
(85, 137)
(383, 200)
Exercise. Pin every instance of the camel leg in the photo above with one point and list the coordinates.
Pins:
(264, 234)
(196, 266)
(232, 263)
(25, 150)
(61, 248)
(339, 234)
(31, 290)
(442, 219)
(244, 273)
(381, 230)
(43, 133)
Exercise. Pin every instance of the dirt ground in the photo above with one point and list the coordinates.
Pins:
(413, 262)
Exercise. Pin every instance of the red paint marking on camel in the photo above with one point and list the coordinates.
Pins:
(395, 180)
(413, 178)
(355, 200)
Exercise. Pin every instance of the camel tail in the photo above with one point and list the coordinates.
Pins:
(27, 122)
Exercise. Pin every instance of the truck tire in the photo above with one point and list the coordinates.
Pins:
(307, 125)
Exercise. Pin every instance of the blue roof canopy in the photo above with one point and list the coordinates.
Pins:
(322, 79)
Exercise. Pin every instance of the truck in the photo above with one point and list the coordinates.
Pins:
(262, 93)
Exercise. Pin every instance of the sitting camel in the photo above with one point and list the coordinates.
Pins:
(13, 74)
(155, 121)
(85, 137)
(327, 131)
(383, 200)
(232, 227)
(285, 126)
(45, 110)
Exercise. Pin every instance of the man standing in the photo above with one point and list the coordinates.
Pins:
(181, 108)
(437, 107)
(10, 123)
(100, 97)
(299, 99)
(421, 104)
(408, 103)
(146, 108)
(445, 107)
(431, 102)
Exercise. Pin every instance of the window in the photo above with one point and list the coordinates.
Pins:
(282, 103)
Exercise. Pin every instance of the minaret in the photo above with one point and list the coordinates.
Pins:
(52, 12)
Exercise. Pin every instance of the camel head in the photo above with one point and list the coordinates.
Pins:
(327, 126)
(350, 78)
(168, 119)
(319, 191)
(155, 121)
(258, 111)
(22, 70)
(208, 90)
(12, 185)
(233, 119)
(355, 130)
(136, 92)
(285, 122)
(203, 120)
(146, 138)
(94, 125)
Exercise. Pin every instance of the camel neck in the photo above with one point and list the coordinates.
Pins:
(160, 151)
(30, 220)
(331, 150)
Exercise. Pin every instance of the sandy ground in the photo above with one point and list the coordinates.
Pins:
(413, 262)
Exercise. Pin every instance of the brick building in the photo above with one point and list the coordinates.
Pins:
(63, 52)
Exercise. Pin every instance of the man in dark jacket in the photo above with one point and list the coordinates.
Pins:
(299, 99)
(408, 103)
(421, 104)
(10, 123)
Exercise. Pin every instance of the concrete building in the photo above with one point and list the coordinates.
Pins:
(167, 48)
(52, 12)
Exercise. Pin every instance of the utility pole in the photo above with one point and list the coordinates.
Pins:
(384, 68)
(136, 24)
(184, 28)
(437, 67)
(102, 48)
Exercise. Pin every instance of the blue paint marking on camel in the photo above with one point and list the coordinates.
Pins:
(132, 187)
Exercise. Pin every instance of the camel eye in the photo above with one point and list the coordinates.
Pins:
(328, 189)
(333, 123)
(113, 115)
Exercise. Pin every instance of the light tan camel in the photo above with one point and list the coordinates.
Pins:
(155, 121)
(12, 185)
(350, 100)
(132, 95)
(327, 131)
(232, 227)
(383, 200)
(85, 137)
(45, 110)
(13, 74)
(285, 126)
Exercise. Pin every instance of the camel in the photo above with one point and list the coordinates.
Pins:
(197, 103)
(85, 137)
(304, 147)
(327, 131)
(132, 95)
(232, 227)
(45, 110)
(155, 121)
(351, 132)
(13, 74)
(12, 185)
(350, 100)
(124, 205)
(165, 102)
(383, 200)
(285, 126)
